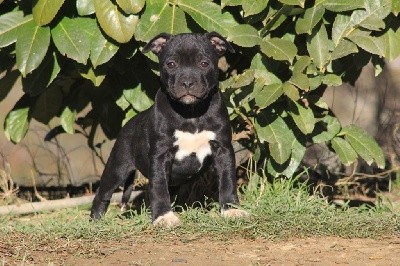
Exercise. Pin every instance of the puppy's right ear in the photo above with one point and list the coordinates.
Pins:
(157, 43)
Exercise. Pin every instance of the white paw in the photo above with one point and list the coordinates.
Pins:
(234, 213)
(167, 220)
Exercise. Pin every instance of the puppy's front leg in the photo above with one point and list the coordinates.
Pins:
(225, 168)
(160, 202)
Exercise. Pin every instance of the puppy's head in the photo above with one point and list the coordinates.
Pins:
(188, 63)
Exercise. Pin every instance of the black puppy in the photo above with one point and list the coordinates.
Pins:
(186, 130)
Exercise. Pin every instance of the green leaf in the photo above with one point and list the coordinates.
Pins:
(341, 28)
(301, 64)
(225, 3)
(131, 6)
(279, 151)
(332, 80)
(277, 134)
(396, 7)
(244, 35)
(36, 82)
(266, 95)
(374, 9)
(159, 17)
(279, 49)
(291, 91)
(253, 7)
(17, 124)
(10, 23)
(310, 18)
(343, 5)
(97, 75)
(71, 40)
(343, 149)
(318, 46)
(373, 45)
(392, 44)
(344, 48)
(303, 117)
(128, 116)
(301, 81)
(293, 2)
(115, 24)
(364, 145)
(101, 50)
(139, 100)
(44, 11)
(85, 7)
(68, 117)
(326, 129)
(31, 48)
(208, 15)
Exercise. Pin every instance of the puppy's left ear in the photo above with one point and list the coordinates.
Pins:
(220, 43)
(157, 43)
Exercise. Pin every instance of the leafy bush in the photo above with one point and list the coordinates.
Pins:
(71, 54)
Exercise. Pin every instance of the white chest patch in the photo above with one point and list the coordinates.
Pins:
(198, 143)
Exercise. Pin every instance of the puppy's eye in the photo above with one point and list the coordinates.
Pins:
(204, 64)
(171, 65)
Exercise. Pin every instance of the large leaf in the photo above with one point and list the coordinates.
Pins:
(244, 35)
(302, 116)
(341, 28)
(44, 11)
(343, 149)
(392, 44)
(279, 49)
(31, 48)
(68, 117)
(71, 40)
(138, 98)
(277, 134)
(318, 46)
(118, 26)
(159, 17)
(343, 5)
(372, 12)
(36, 82)
(17, 121)
(266, 95)
(85, 7)
(10, 23)
(364, 145)
(310, 18)
(344, 48)
(253, 7)
(101, 49)
(293, 2)
(208, 15)
(326, 129)
(131, 6)
(370, 44)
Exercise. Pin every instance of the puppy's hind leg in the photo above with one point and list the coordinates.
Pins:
(128, 188)
(118, 169)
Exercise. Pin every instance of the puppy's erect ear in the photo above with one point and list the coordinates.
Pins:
(220, 43)
(157, 43)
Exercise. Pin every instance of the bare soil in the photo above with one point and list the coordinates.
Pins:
(175, 251)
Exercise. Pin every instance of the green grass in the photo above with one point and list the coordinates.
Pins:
(280, 210)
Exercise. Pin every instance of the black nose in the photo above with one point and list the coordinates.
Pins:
(187, 84)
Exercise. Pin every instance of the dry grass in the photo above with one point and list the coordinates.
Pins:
(8, 193)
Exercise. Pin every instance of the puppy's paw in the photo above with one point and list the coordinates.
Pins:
(167, 220)
(234, 213)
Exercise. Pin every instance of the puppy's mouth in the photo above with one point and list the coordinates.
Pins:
(188, 99)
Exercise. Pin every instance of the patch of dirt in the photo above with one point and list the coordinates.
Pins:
(173, 251)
